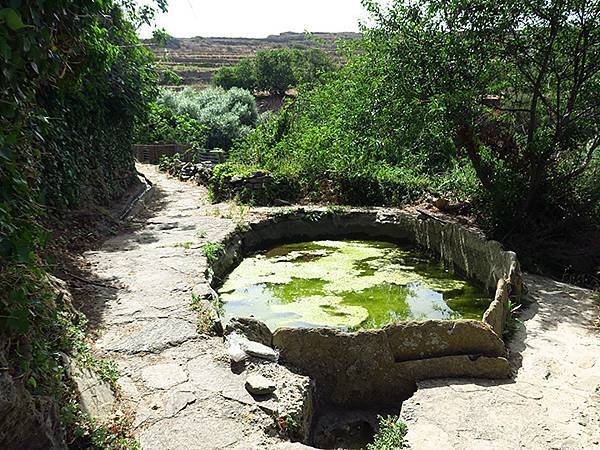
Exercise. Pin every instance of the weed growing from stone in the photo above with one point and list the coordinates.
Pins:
(513, 323)
(212, 251)
(207, 315)
(186, 245)
(391, 434)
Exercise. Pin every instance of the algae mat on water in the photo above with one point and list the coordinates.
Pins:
(348, 284)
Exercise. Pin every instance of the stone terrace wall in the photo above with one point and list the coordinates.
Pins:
(382, 366)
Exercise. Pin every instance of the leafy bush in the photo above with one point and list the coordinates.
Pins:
(242, 75)
(228, 182)
(226, 115)
(163, 126)
(276, 70)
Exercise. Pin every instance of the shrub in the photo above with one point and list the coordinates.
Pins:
(226, 115)
(228, 182)
(242, 75)
(163, 126)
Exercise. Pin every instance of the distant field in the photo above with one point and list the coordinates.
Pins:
(195, 59)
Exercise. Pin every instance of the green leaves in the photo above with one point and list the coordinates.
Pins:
(12, 18)
(276, 70)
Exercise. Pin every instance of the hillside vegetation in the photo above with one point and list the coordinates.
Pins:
(496, 108)
(276, 71)
(196, 59)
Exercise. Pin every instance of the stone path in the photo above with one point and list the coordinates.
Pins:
(179, 384)
(184, 395)
(553, 401)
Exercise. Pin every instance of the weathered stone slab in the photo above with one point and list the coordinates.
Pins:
(433, 338)
(164, 376)
(154, 337)
(96, 397)
(178, 401)
(253, 329)
(382, 366)
(327, 350)
(496, 314)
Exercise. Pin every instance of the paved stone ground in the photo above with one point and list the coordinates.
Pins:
(553, 401)
(185, 395)
(179, 384)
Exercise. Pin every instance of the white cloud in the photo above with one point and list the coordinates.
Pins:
(256, 18)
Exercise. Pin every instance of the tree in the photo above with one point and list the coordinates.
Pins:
(311, 65)
(274, 72)
(518, 82)
(242, 75)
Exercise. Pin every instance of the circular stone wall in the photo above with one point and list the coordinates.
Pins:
(381, 366)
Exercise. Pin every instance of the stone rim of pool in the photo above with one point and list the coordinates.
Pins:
(347, 284)
(380, 366)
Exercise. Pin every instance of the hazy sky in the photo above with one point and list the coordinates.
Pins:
(257, 18)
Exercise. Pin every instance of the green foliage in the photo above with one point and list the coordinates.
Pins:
(212, 251)
(276, 70)
(496, 105)
(228, 183)
(163, 126)
(169, 77)
(242, 75)
(168, 163)
(527, 117)
(391, 434)
(226, 115)
(74, 80)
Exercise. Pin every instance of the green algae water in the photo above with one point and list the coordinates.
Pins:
(347, 284)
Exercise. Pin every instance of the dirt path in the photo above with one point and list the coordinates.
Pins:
(185, 396)
(553, 401)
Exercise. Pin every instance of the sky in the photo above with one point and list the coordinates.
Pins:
(256, 18)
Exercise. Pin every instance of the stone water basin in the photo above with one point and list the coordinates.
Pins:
(347, 284)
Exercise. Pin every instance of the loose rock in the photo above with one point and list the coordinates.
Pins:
(253, 329)
(259, 350)
(259, 385)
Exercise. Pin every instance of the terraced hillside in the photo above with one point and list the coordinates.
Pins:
(195, 59)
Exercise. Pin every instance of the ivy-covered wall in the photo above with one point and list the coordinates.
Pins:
(74, 78)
